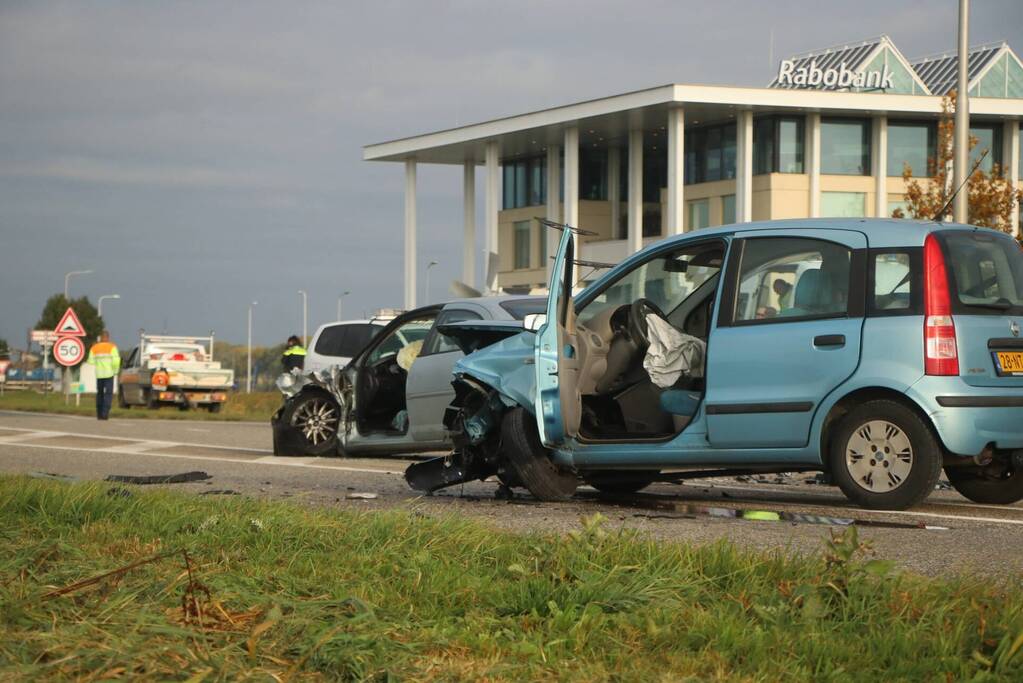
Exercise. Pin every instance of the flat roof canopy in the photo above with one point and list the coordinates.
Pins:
(611, 118)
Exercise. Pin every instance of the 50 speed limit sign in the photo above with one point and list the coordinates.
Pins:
(69, 351)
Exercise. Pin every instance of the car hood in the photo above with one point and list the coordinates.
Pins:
(507, 366)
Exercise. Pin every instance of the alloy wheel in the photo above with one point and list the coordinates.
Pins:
(318, 419)
(879, 456)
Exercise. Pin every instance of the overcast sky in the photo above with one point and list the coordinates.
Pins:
(202, 155)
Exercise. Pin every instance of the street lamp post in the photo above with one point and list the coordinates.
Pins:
(305, 316)
(99, 305)
(343, 295)
(961, 143)
(248, 362)
(429, 265)
(67, 277)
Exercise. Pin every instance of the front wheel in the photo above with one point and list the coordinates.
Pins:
(312, 420)
(884, 456)
(982, 486)
(530, 461)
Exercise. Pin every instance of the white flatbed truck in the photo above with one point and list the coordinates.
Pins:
(186, 374)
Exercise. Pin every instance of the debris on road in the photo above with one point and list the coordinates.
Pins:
(50, 475)
(219, 492)
(182, 478)
(361, 496)
(687, 511)
(118, 492)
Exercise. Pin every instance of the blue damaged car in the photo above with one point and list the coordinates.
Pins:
(877, 351)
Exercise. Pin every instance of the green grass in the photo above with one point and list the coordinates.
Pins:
(299, 592)
(258, 406)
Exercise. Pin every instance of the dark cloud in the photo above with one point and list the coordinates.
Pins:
(199, 155)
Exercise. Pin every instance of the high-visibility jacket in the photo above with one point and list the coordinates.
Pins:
(106, 358)
(293, 357)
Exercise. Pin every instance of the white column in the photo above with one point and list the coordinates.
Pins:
(614, 173)
(744, 167)
(1010, 157)
(635, 200)
(410, 234)
(469, 223)
(879, 155)
(676, 157)
(813, 162)
(490, 216)
(553, 204)
(572, 176)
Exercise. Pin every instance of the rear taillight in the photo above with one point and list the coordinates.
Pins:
(940, 354)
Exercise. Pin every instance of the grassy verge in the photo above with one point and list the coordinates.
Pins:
(257, 406)
(283, 591)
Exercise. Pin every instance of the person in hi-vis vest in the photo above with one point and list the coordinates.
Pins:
(105, 357)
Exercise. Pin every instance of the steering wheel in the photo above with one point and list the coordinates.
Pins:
(637, 320)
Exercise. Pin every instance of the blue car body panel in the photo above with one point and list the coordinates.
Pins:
(880, 354)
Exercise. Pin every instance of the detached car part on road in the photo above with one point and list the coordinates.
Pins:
(392, 396)
(878, 351)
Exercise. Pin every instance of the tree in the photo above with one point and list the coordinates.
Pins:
(4, 348)
(86, 312)
(991, 196)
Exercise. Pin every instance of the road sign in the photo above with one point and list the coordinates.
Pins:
(70, 324)
(69, 351)
(44, 336)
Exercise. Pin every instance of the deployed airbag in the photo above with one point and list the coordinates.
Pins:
(671, 353)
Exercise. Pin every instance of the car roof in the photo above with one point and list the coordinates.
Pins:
(880, 232)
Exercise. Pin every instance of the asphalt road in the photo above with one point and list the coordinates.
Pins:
(947, 534)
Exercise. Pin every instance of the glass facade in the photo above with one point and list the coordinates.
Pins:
(699, 214)
(845, 147)
(525, 183)
(777, 145)
(989, 137)
(593, 174)
(914, 144)
(843, 204)
(728, 209)
(522, 244)
(709, 154)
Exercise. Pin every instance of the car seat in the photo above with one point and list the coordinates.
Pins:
(812, 294)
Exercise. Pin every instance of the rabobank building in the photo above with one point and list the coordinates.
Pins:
(829, 136)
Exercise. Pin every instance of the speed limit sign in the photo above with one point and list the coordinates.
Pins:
(69, 351)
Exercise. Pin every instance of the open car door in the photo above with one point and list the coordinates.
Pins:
(558, 406)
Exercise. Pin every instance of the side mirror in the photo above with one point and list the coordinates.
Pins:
(534, 321)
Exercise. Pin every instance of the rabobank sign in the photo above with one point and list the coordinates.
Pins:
(812, 76)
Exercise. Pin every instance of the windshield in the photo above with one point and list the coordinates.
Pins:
(986, 270)
(666, 280)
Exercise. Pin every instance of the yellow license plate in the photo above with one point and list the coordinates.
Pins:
(1010, 362)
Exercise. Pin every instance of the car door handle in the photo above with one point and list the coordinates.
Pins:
(829, 340)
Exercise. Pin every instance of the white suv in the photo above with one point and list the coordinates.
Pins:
(337, 343)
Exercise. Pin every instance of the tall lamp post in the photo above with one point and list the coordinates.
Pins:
(248, 362)
(68, 276)
(961, 143)
(343, 295)
(305, 315)
(99, 304)
(429, 265)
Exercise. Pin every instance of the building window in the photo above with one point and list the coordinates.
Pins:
(728, 209)
(522, 243)
(525, 183)
(843, 204)
(899, 204)
(593, 174)
(709, 154)
(913, 144)
(989, 137)
(845, 147)
(699, 214)
(777, 145)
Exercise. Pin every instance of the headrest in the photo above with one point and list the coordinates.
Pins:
(811, 290)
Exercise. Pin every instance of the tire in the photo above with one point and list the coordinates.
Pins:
(969, 482)
(884, 456)
(620, 482)
(214, 408)
(311, 424)
(121, 402)
(531, 462)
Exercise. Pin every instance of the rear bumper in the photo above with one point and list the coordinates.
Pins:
(189, 396)
(970, 418)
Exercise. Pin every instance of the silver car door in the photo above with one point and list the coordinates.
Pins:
(428, 391)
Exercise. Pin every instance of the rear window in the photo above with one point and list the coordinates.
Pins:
(520, 308)
(345, 340)
(986, 272)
